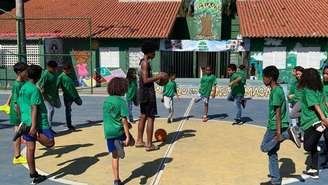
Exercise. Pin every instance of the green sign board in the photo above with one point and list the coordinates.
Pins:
(205, 22)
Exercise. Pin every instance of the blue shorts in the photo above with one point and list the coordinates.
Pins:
(47, 132)
(110, 143)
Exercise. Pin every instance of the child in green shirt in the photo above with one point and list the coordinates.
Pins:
(20, 69)
(169, 91)
(70, 93)
(116, 126)
(131, 95)
(34, 126)
(48, 86)
(313, 116)
(207, 88)
(278, 128)
(237, 84)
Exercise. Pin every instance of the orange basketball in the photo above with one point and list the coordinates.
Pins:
(164, 80)
(160, 135)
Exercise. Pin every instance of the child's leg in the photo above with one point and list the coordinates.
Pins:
(46, 141)
(141, 128)
(68, 112)
(150, 130)
(115, 165)
(205, 109)
(17, 145)
(238, 106)
(51, 111)
(30, 156)
(274, 165)
(311, 140)
(171, 110)
(130, 107)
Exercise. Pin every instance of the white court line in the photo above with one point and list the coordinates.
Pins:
(60, 180)
(156, 179)
(160, 170)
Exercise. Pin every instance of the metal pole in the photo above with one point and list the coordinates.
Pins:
(91, 53)
(21, 37)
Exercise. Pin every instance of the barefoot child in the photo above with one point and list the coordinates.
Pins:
(207, 88)
(131, 96)
(170, 90)
(20, 69)
(278, 128)
(34, 119)
(116, 126)
(70, 94)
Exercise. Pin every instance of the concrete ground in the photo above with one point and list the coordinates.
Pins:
(194, 153)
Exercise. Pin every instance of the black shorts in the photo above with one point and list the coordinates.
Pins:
(148, 108)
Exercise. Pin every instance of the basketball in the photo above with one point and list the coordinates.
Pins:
(160, 135)
(163, 81)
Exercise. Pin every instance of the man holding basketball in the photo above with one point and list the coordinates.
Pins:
(147, 97)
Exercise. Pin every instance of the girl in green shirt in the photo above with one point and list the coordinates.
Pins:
(313, 116)
(131, 95)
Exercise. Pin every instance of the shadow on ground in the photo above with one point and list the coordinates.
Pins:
(147, 170)
(175, 136)
(77, 166)
(88, 123)
(62, 150)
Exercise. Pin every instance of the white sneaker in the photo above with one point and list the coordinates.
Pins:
(313, 173)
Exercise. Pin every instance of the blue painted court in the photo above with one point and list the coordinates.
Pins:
(90, 115)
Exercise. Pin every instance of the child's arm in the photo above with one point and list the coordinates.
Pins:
(235, 81)
(213, 91)
(8, 100)
(126, 131)
(34, 114)
(321, 115)
(278, 123)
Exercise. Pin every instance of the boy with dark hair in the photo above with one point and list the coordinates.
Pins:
(34, 126)
(70, 93)
(237, 84)
(48, 86)
(20, 69)
(169, 91)
(116, 126)
(147, 97)
(207, 88)
(278, 128)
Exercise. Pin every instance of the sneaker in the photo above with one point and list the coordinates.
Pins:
(22, 129)
(236, 122)
(169, 121)
(19, 160)
(293, 136)
(36, 179)
(117, 182)
(269, 183)
(71, 127)
(313, 173)
(119, 145)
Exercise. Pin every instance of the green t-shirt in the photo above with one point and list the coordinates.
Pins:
(325, 91)
(68, 87)
(296, 91)
(277, 99)
(308, 113)
(238, 89)
(206, 84)
(14, 97)
(114, 109)
(132, 91)
(170, 89)
(30, 95)
(48, 82)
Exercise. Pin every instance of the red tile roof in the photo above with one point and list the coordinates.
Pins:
(283, 18)
(110, 19)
